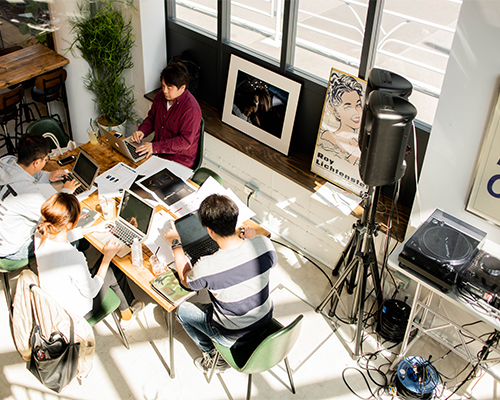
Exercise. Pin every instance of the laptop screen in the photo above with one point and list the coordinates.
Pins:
(85, 168)
(136, 212)
(190, 229)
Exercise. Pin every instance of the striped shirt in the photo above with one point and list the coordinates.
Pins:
(238, 285)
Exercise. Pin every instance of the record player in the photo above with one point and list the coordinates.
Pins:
(440, 248)
(482, 278)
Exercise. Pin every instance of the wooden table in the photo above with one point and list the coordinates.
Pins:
(107, 158)
(30, 62)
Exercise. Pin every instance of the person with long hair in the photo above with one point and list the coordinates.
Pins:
(63, 271)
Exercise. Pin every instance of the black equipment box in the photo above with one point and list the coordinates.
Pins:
(440, 248)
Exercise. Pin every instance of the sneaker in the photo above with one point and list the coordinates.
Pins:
(136, 308)
(205, 363)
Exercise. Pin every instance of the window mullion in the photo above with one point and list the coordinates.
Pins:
(370, 40)
(290, 18)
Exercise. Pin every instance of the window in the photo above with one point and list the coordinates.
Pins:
(257, 25)
(329, 34)
(411, 38)
(415, 43)
(201, 14)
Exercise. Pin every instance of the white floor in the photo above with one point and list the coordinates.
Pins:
(318, 359)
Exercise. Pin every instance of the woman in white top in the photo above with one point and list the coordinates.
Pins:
(63, 270)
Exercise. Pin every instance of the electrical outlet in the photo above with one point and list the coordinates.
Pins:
(402, 282)
(250, 189)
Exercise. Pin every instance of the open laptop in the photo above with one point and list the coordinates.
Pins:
(124, 147)
(84, 171)
(134, 219)
(195, 239)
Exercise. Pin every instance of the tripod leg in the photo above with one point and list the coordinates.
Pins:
(375, 275)
(335, 288)
(361, 306)
(345, 255)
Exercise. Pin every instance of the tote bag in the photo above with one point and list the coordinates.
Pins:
(54, 360)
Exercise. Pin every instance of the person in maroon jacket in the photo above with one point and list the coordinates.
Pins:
(175, 118)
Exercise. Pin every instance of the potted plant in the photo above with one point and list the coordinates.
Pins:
(105, 39)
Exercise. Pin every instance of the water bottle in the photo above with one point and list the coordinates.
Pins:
(136, 253)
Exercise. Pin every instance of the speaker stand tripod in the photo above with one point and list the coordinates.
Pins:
(357, 258)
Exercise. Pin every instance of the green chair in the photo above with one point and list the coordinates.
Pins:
(7, 266)
(108, 306)
(199, 157)
(48, 124)
(202, 174)
(261, 356)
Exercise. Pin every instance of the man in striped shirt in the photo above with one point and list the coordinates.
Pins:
(237, 279)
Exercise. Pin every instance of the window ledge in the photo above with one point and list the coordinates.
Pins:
(295, 167)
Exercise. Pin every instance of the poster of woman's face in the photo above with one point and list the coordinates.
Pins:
(336, 155)
(260, 103)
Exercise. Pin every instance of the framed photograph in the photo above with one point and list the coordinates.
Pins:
(336, 155)
(484, 198)
(260, 103)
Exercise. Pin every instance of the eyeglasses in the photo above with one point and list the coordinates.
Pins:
(46, 159)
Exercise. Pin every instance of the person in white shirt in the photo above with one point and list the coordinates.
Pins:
(63, 270)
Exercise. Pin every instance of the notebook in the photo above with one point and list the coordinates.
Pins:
(134, 220)
(84, 171)
(168, 286)
(195, 239)
(123, 146)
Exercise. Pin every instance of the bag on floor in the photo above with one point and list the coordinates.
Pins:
(54, 360)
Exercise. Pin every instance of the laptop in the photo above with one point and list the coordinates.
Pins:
(134, 220)
(195, 239)
(84, 171)
(124, 146)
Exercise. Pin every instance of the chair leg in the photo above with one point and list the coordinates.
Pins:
(214, 365)
(290, 375)
(8, 296)
(120, 331)
(249, 387)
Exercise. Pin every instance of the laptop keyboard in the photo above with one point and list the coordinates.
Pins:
(80, 189)
(133, 153)
(204, 249)
(123, 233)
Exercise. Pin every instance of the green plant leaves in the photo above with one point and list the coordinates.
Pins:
(105, 39)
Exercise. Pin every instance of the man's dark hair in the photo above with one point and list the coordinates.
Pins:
(175, 74)
(220, 214)
(31, 147)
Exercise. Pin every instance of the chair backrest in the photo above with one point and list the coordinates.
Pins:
(270, 352)
(48, 124)
(51, 80)
(12, 97)
(199, 157)
(202, 174)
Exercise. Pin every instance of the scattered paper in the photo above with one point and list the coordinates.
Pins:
(111, 182)
(340, 199)
(155, 240)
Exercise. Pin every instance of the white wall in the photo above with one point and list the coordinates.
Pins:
(81, 106)
(149, 58)
(467, 98)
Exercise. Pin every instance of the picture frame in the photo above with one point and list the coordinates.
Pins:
(336, 154)
(484, 196)
(260, 103)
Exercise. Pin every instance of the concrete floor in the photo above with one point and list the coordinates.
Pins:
(318, 360)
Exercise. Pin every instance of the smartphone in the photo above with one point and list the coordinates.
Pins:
(66, 160)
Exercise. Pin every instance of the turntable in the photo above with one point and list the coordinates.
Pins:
(482, 278)
(440, 248)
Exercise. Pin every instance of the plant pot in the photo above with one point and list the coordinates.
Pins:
(122, 128)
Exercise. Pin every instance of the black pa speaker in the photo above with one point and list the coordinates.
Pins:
(383, 138)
